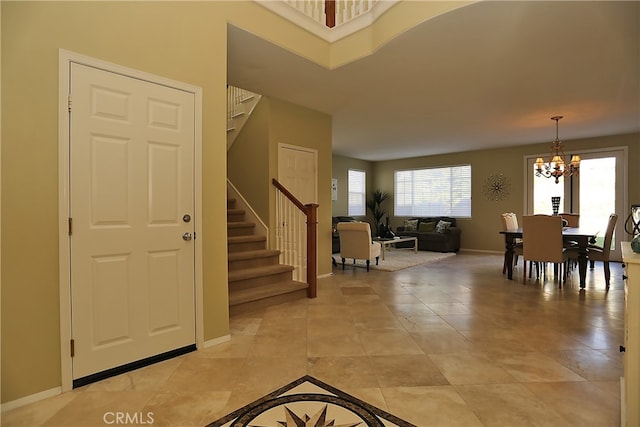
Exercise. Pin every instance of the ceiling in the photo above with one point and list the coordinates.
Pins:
(487, 75)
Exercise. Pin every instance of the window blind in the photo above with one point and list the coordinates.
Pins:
(357, 193)
(442, 191)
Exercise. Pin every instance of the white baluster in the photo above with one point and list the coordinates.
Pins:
(339, 12)
(287, 258)
(279, 223)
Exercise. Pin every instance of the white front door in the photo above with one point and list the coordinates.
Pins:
(131, 202)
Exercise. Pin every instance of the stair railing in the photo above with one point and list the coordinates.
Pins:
(297, 247)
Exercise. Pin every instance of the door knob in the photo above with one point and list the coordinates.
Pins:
(186, 236)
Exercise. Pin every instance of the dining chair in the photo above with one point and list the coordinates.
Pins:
(356, 243)
(543, 243)
(572, 219)
(509, 223)
(601, 253)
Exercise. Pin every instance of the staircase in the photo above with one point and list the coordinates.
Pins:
(256, 278)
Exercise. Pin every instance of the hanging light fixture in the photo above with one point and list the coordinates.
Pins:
(557, 165)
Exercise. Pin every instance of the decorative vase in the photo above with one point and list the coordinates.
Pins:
(389, 234)
(635, 244)
(555, 204)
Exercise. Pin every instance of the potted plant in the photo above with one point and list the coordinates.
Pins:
(374, 204)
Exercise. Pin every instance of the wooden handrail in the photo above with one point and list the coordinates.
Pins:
(290, 196)
(311, 212)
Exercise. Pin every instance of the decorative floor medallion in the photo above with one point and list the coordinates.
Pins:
(308, 402)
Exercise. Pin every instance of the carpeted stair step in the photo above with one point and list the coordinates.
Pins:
(259, 276)
(240, 228)
(264, 293)
(246, 243)
(252, 259)
(235, 215)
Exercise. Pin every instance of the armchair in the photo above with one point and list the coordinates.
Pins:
(356, 243)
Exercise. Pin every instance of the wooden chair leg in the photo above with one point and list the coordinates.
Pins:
(343, 263)
(368, 262)
(607, 273)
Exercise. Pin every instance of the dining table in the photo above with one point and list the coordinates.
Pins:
(580, 236)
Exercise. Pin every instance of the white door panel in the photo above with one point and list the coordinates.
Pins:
(297, 172)
(131, 179)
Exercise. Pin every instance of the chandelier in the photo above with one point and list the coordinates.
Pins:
(557, 165)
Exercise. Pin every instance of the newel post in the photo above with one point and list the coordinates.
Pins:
(330, 12)
(312, 249)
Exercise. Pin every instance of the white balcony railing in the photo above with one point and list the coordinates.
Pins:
(346, 10)
(350, 15)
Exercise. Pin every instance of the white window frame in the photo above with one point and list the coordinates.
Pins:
(429, 201)
(356, 192)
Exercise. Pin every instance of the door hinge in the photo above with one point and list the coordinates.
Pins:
(70, 226)
(69, 103)
(73, 347)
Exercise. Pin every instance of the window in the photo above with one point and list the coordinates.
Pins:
(595, 192)
(357, 192)
(434, 192)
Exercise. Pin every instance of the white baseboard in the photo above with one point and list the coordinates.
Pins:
(217, 341)
(623, 402)
(31, 399)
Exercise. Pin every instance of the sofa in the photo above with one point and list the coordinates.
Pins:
(437, 234)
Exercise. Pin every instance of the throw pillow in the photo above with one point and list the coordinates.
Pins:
(426, 227)
(442, 226)
(410, 224)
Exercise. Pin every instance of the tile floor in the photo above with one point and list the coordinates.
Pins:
(452, 343)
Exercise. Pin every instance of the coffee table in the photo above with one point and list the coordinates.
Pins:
(388, 241)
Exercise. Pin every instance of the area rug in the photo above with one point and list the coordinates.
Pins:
(398, 259)
(308, 402)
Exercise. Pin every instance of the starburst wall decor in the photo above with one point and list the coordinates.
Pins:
(496, 187)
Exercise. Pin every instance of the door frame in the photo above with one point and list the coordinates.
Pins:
(65, 59)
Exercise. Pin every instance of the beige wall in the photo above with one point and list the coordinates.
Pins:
(248, 168)
(480, 232)
(184, 41)
(133, 35)
(341, 166)
(295, 125)
(253, 161)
